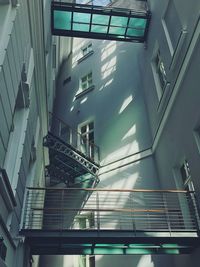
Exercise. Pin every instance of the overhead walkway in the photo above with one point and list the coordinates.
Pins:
(100, 22)
(65, 221)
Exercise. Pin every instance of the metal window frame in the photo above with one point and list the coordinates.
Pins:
(108, 11)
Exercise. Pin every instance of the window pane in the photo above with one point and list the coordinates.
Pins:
(91, 125)
(99, 29)
(116, 30)
(90, 75)
(62, 20)
(81, 17)
(119, 21)
(84, 51)
(84, 79)
(91, 137)
(135, 32)
(81, 27)
(100, 19)
(89, 83)
(137, 23)
(83, 129)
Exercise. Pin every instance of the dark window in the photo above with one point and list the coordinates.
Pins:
(3, 250)
(186, 176)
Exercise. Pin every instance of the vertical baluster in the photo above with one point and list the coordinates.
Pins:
(97, 208)
(167, 212)
(194, 210)
(133, 214)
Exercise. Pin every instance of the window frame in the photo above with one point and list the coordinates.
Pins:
(89, 51)
(88, 81)
(88, 48)
(158, 73)
(89, 87)
(89, 149)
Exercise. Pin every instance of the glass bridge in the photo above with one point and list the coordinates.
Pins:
(100, 22)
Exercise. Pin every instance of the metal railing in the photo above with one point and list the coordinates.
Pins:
(72, 137)
(136, 210)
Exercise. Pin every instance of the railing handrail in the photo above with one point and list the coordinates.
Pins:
(107, 210)
(113, 190)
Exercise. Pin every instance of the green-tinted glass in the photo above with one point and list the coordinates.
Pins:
(135, 32)
(81, 27)
(100, 19)
(137, 23)
(62, 20)
(81, 17)
(119, 21)
(99, 29)
(117, 30)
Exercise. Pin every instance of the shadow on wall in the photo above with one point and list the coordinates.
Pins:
(116, 103)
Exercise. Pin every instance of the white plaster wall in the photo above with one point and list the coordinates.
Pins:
(121, 127)
(187, 15)
(116, 105)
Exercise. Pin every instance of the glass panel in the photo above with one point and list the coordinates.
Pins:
(89, 83)
(91, 136)
(91, 125)
(135, 32)
(81, 27)
(117, 30)
(100, 19)
(81, 17)
(119, 21)
(99, 29)
(83, 129)
(137, 23)
(84, 50)
(84, 79)
(84, 86)
(62, 20)
(90, 75)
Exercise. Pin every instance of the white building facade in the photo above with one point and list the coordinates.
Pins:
(29, 57)
(139, 103)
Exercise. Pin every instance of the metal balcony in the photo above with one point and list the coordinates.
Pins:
(74, 160)
(103, 221)
(100, 22)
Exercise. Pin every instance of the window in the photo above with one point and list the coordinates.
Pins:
(87, 139)
(65, 132)
(159, 72)
(160, 68)
(3, 249)
(186, 176)
(86, 81)
(16, 139)
(87, 49)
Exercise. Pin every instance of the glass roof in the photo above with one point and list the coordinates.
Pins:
(89, 21)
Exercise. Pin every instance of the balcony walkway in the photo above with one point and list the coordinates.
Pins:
(98, 22)
(73, 159)
(107, 221)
